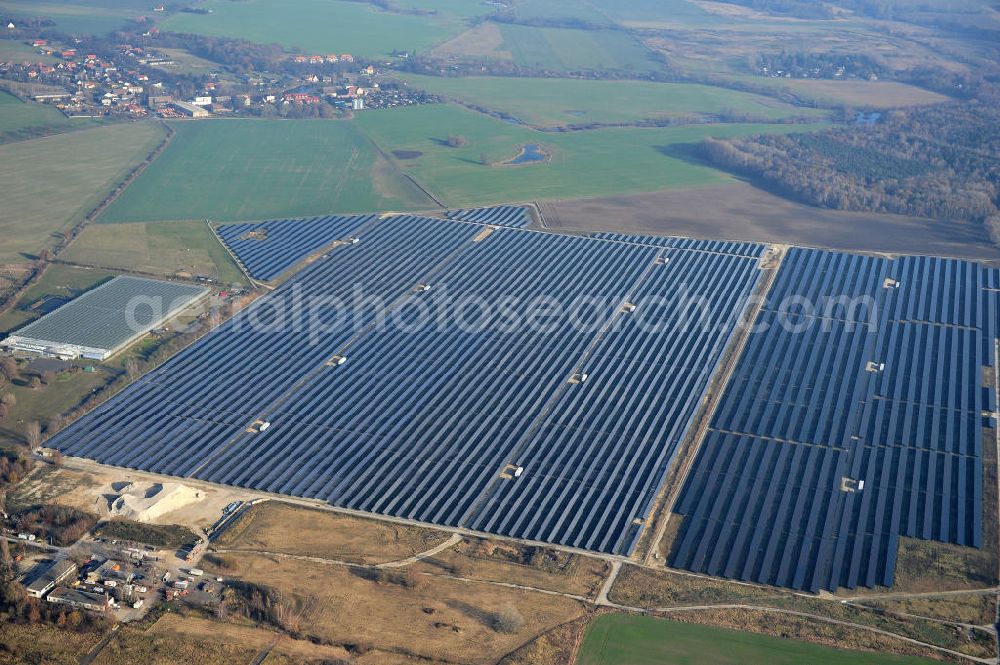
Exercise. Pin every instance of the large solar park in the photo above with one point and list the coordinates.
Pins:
(862, 423)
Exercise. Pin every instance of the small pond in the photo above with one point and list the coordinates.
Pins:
(530, 153)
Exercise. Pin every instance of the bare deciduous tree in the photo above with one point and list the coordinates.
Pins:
(33, 433)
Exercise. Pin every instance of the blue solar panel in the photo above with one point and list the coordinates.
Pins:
(267, 249)
(862, 370)
(419, 422)
(516, 217)
(594, 461)
(747, 249)
(177, 417)
(425, 416)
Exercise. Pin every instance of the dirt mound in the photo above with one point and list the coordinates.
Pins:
(146, 502)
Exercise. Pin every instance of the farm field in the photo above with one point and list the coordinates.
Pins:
(560, 102)
(50, 183)
(574, 50)
(459, 8)
(533, 10)
(20, 120)
(870, 94)
(737, 210)
(319, 26)
(157, 248)
(234, 170)
(658, 13)
(581, 164)
(643, 640)
(15, 51)
(80, 17)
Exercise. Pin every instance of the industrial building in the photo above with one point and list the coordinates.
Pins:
(106, 319)
(95, 602)
(190, 110)
(52, 574)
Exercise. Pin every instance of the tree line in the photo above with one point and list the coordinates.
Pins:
(941, 162)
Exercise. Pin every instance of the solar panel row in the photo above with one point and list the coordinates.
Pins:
(516, 217)
(419, 421)
(852, 418)
(748, 249)
(598, 456)
(267, 249)
(177, 417)
(534, 358)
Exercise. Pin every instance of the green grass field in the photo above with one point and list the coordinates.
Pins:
(561, 102)
(15, 51)
(657, 13)
(20, 120)
(161, 248)
(58, 280)
(41, 404)
(80, 17)
(864, 94)
(583, 164)
(455, 8)
(576, 50)
(320, 26)
(615, 639)
(561, 9)
(50, 183)
(229, 170)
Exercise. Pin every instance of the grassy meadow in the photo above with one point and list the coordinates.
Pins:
(158, 248)
(581, 164)
(560, 102)
(231, 170)
(80, 17)
(641, 640)
(574, 50)
(658, 13)
(321, 26)
(19, 120)
(50, 183)
(865, 94)
(14, 51)
(227, 170)
(58, 280)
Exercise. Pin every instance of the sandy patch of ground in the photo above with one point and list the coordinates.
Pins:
(84, 484)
